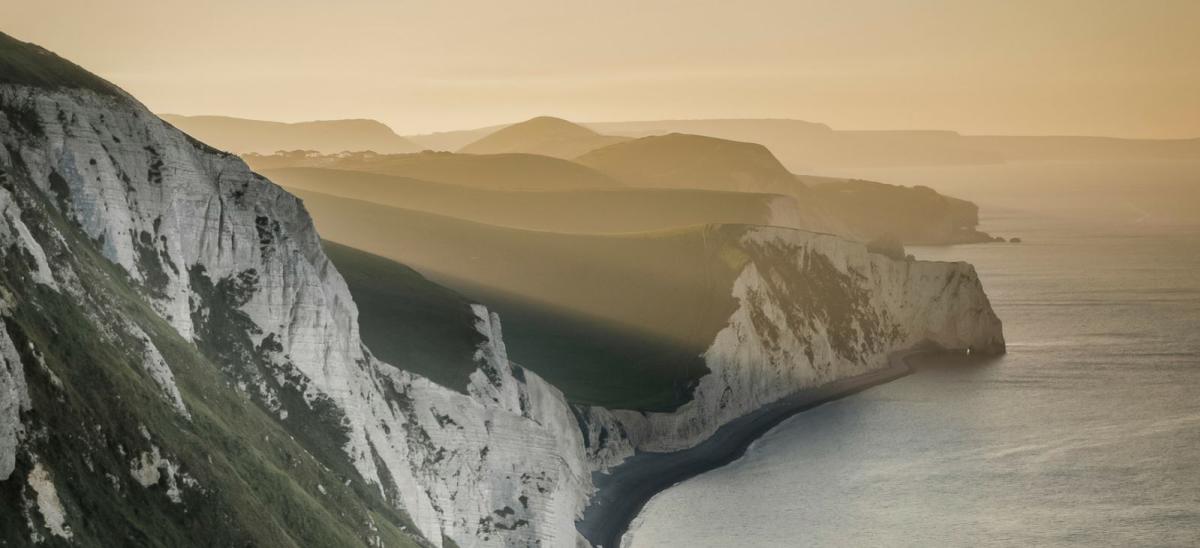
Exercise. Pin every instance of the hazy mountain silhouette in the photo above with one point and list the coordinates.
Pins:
(679, 160)
(453, 140)
(860, 210)
(867, 210)
(726, 128)
(242, 136)
(799, 145)
(805, 145)
(543, 135)
(1072, 148)
(595, 211)
(652, 183)
(487, 171)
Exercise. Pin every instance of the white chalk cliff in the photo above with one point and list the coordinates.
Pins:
(508, 463)
(812, 309)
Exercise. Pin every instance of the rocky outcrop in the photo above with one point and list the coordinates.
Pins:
(14, 399)
(813, 309)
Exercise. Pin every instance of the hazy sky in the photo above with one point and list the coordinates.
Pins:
(1104, 67)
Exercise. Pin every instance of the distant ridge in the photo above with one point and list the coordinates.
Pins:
(483, 171)
(804, 146)
(543, 135)
(738, 129)
(241, 136)
(607, 210)
(680, 160)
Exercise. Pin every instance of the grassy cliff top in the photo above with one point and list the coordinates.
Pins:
(27, 64)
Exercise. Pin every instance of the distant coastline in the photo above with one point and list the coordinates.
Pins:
(624, 490)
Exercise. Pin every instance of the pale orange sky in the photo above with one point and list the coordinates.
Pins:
(1097, 67)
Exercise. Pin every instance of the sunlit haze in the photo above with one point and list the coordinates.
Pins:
(1030, 67)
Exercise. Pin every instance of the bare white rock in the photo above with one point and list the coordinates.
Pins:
(14, 399)
(48, 503)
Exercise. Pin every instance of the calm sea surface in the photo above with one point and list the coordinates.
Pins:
(1087, 433)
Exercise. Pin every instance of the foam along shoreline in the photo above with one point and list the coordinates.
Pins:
(624, 490)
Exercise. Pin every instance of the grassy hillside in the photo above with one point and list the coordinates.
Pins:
(594, 211)
(615, 320)
(913, 215)
(691, 161)
(861, 210)
(31, 65)
(485, 171)
(543, 135)
(242, 136)
(406, 319)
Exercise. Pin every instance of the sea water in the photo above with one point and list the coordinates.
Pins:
(1087, 433)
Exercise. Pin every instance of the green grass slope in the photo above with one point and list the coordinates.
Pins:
(613, 320)
(405, 318)
(27, 64)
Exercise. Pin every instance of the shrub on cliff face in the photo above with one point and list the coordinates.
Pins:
(887, 246)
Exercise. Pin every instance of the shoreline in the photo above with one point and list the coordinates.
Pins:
(625, 489)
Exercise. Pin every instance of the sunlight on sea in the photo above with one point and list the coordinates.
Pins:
(1087, 433)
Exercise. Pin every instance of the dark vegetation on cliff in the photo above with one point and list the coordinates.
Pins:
(127, 464)
(241, 475)
(27, 64)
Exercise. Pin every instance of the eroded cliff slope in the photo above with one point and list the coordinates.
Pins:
(177, 341)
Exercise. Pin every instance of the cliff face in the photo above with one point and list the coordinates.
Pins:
(813, 309)
(176, 340)
(231, 262)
